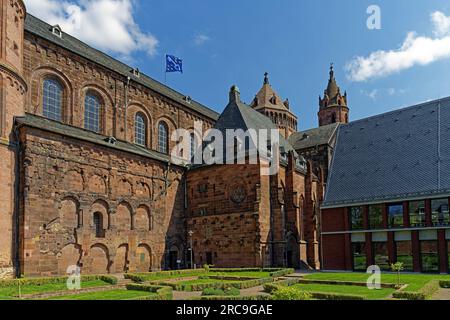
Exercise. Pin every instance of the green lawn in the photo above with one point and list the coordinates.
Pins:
(352, 290)
(246, 274)
(118, 294)
(203, 281)
(8, 293)
(415, 281)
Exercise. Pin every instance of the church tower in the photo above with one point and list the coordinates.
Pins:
(333, 105)
(269, 103)
(12, 102)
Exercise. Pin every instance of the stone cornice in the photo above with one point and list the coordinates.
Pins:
(20, 7)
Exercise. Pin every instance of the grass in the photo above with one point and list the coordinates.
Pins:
(9, 293)
(415, 281)
(351, 290)
(118, 294)
(246, 274)
(203, 281)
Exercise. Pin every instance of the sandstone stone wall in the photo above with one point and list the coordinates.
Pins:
(66, 182)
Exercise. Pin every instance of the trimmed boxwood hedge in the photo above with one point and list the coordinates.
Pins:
(444, 284)
(345, 283)
(334, 296)
(423, 294)
(54, 280)
(216, 285)
(162, 293)
(272, 287)
(234, 298)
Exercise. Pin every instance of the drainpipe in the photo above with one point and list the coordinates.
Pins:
(16, 213)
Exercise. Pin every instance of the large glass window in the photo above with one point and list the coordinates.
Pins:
(439, 212)
(429, 256)
(395, 214)
(405, 254)
(140, 128)
(376, 217)
(359, 256)
(92, 113)
(380, 254)
(52, 100)
(448, 254)
(417, 213)
(356, 218)
(163, 134)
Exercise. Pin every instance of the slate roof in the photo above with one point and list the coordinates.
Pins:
(399, 155)
(238, 115)
(313, 137)
(42, 29)
(45, 124)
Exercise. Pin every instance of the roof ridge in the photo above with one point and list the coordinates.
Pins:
(421, 104)
(213, 114)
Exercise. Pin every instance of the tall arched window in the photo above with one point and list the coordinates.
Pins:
(92, 110)
(98, 223)
(163, 138)
(140, 130)
(52, 99)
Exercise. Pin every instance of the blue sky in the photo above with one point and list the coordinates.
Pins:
(234, 42)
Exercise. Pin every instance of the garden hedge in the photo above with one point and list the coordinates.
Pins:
(444, 284)
(423, 294)
(234, 298)
(162, 293)
(334, 296)
(345, 283)
(215, 285)
(272, 287)
(54, 280)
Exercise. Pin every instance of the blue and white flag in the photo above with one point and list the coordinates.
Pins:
(173, 64)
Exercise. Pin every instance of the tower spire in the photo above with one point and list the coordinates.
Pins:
(266, 78)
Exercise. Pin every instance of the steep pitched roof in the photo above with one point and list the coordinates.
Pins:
(238, 115)
(42, 29)
(313, 137)
(268, 98)
(398, 155)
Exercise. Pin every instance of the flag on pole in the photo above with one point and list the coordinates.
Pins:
(173, 64)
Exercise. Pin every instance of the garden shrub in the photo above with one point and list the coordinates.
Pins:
(235, 298)
(289, 293)
(221, 292)
(271, 287)
(335, 296)
(444, 284)
(162, 293)
(54, 280)
(423, 294)
(216, 285)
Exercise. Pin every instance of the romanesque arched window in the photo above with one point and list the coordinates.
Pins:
(163, 138)
(52, 99)
(98, 224)
(92, 113)
(140, 130)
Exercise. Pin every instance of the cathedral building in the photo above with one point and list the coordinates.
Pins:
(87, 178)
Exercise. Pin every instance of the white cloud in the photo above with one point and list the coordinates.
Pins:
(415, 50)
(200, 39)
(107, 25)
(441, 24)
(373, 94)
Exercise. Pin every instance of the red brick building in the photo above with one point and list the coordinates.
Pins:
(86, 178)
(388, 192)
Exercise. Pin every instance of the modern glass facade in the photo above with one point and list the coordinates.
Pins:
(359, 256)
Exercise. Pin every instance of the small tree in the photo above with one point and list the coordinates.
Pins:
(207, 268)
(398, 267)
